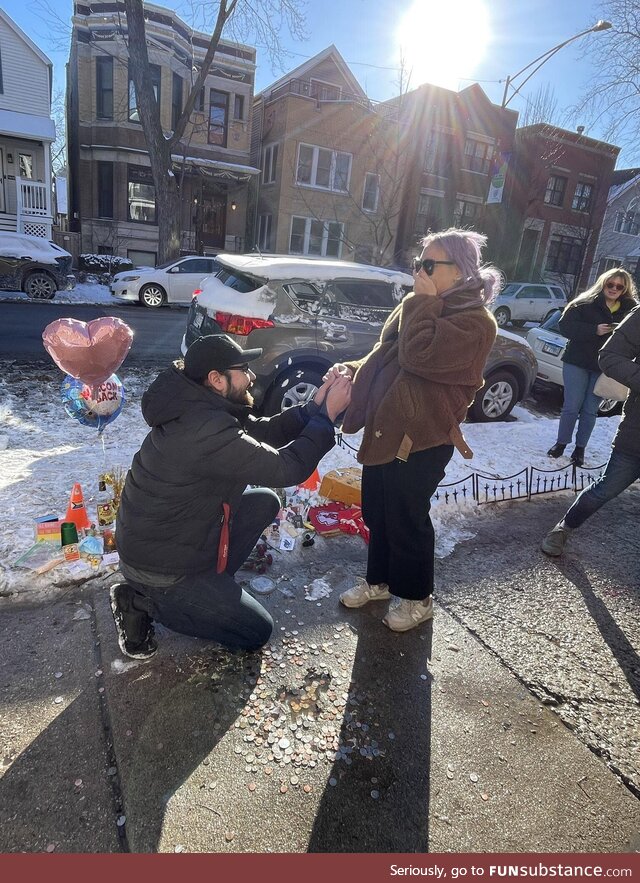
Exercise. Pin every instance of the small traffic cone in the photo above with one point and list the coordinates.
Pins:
(312, 483)
(76, 511)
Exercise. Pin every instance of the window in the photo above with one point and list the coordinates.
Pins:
(326, 169)
(25, 166)
(104, 87)
(324, 91)
(534, 292)
(554, 194)
(565, 255)
(141, 258)
(156, 74)
(310, 236)
(269, 162)
(582, 197)
(429, 211)
(105, 249)
(105, 189)
(437, 154)
(627, 222)
(194, 265)
(199, 102)
(176, 100)
(477, 156)
(238, 107)
(218, 117)
(141, 195)
(371, 192)
(465, 212)
(264, 232)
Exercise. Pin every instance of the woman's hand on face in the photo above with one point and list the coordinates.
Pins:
(338, 370)
(604, 328)
(423, 284)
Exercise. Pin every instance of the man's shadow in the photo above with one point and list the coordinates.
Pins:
(377, 794)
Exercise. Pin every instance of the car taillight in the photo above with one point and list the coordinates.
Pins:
(242, 325)
(196, 292)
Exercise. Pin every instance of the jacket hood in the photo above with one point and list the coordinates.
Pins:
(172, 395)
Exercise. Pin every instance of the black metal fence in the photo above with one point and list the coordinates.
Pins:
(529, 482)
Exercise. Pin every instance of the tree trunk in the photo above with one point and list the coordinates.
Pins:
(169, 215)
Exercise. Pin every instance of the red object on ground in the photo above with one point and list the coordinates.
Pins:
(76, 511)
(334, 518)
(312, 483)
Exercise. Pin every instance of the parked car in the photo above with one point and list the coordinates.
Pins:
(172, 283)
(549, 344)
(521, 302)
(34, 265)
(307, 314)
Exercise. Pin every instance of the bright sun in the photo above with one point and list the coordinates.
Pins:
(443, 41)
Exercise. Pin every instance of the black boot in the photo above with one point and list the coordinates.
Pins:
(556, 451)
(577, 456)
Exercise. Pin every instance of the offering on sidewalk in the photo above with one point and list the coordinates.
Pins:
(343, 486)
(47, 529)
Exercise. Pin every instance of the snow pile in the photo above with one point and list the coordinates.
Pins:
(43, 452)
(83, 293)
(104, 263)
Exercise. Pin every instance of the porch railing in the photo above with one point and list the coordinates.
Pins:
(34, 208)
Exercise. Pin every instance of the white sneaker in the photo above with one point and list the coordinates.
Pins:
(363, 592)
(409, 614)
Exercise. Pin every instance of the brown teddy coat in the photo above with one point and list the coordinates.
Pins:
(414, 388)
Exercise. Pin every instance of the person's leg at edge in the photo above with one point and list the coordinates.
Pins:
(576, 381)
(588, 412)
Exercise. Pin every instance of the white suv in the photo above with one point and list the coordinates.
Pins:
(521, 302)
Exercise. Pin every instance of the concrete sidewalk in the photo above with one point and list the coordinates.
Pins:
(339, 736)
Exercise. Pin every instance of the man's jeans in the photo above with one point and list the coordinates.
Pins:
(579, 404)
(212, 605)
(620, 472)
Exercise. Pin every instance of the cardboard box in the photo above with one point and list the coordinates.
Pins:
(343, 486)
(48, 529)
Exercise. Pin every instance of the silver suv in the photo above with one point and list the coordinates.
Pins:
(521, 302)
(308, 313)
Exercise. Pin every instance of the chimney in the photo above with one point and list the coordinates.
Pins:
(580, 130)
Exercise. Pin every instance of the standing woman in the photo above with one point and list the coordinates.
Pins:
(410, 394)
(588, 321)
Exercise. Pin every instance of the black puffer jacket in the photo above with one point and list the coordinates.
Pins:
(618, 359)
(579, 324)
(203, 451)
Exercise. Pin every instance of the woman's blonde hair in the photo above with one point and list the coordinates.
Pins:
(630, 292)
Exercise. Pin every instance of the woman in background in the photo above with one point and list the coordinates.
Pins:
(587, 322)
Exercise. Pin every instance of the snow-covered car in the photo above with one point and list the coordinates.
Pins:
(549, 344)
(172, 283)
(308, 313)
(521, 302)
(34, 265)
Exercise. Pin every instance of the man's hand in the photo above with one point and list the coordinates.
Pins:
(338, 370)
(604, 328)
(321, 392)
(338, 397)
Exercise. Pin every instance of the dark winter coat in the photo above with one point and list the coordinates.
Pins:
(203, 451)
(579, 324)
(618, 359)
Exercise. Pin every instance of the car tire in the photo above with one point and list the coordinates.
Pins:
(40, 285)
(496, 400)
(152, 296)
(609, 408)
(502, 316)
(294, 387)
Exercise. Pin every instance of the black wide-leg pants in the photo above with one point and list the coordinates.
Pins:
(396, 500)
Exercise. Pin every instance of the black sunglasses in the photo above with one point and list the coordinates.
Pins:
(244, 368)
(428, 265)
(616, 285)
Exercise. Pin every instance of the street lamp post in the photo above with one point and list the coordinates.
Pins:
(542, 59)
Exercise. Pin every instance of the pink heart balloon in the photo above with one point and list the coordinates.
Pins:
(90, 351)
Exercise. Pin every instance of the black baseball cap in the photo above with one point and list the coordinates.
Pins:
(215, 352)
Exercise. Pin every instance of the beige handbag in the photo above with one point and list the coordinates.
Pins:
(608, 388)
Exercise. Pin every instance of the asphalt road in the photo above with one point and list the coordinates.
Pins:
(157, 334)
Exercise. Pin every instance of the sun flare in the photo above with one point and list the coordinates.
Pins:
(443, 42)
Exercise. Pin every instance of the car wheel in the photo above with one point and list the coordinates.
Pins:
(40, 285)
(609, 407)
(294, 387)
(496, 399)
(152, 296)
(502, 316)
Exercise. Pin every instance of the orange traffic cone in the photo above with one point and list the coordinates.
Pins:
(76, 511)
(312, 483)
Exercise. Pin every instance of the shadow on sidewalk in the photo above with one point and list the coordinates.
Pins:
(380, 802)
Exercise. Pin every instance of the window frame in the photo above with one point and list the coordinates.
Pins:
(156, 83)
(313, 174)
(629, 219)
(551, 191)
(437, 153)
(225, 125)
(269, 163)
(265, 230)
(485, 157)
(307, 234)
(464, 216)
(103, 62)
(101, 168)
(553, 262)
(176, 100)
(376, 178)
(579, 202)
(136, 170)
(238, 99)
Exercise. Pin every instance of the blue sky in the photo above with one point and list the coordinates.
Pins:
(451, 42)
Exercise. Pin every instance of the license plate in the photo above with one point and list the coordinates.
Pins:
(199, 319)
(552, 349)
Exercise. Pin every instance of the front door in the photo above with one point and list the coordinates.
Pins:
(213, 220)
(2, 203)
(528, 249)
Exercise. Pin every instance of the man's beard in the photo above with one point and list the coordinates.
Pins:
(240, 398)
